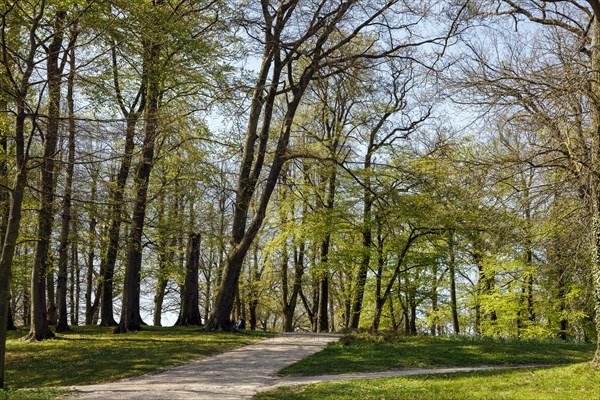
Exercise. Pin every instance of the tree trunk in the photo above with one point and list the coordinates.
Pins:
(413, 318)
(51, 297)
(562, 301)
(62, 324)
(166, 254)
(290, 307)
(253, 161)
(91, 307)
(131, 319)
(379, 297)
(190, 307)
(10, 240)
(76, 286)
(109, 260)
(452, 273)
(39, 329)
(322, 314)
(159, 297)
(10, 325)
(367, 241)
(595, 89)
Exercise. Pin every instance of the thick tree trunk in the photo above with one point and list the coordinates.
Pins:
(10, 325)
(109, 260)
(39, 329)
(131, 319)
(595, 88)
(190, 307)
(252, 165)
(130, 313)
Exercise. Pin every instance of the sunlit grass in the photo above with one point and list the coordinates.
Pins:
(573, 382)
(362, 353)
(94, 354)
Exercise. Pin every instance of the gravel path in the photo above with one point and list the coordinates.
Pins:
(238, 374)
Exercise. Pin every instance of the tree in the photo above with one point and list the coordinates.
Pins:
(190, 310)
(20, 85)
(62, 324)
(39, 325)
(577, 23)
(300, 38)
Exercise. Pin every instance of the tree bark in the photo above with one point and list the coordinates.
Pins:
(117, 196)
(367, 241)
(595, 88)
(165, 250)
(190, 307)
(62, 323)
(76, 278)
(131, 319)
(39, 329)
(91, 307)
(452, 273)
(254, 155)
(10, 325)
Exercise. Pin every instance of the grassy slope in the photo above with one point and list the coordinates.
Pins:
(573, 382)
(364, 354)
(94, 354)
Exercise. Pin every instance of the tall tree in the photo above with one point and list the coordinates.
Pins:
(299, 38)
(130, 309)
(190, 310)
(39, 325)
(20, 86)
(62, 324)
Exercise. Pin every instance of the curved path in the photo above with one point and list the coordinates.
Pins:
(239, 374)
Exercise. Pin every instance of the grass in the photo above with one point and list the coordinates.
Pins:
(94, 354)
(363, 353)
(574, 382)
(32, 394)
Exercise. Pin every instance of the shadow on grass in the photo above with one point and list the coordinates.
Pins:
(364, 354)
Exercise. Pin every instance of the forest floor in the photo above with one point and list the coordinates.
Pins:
(244, 372)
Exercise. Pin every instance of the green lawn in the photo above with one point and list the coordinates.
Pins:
(94, 354)
(572, 382)
(363, 353)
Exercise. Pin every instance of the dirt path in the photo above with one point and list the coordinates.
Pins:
(238, 374)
